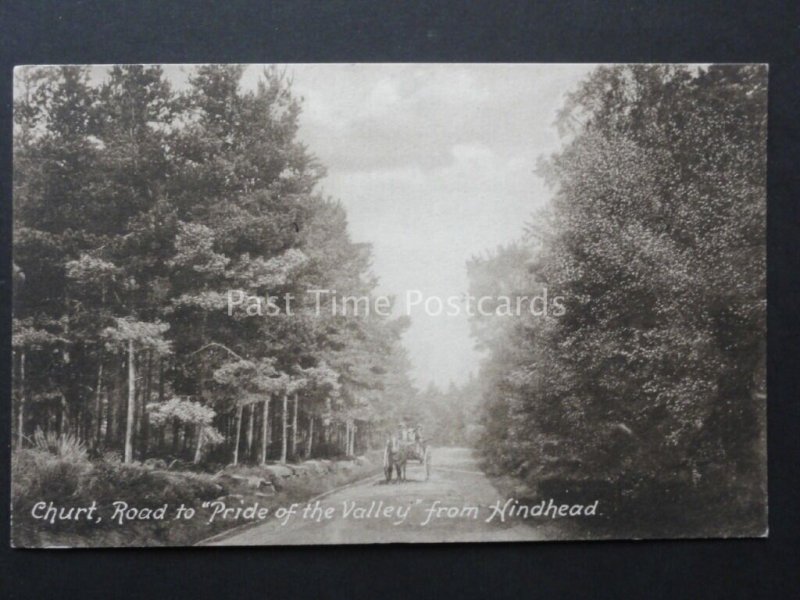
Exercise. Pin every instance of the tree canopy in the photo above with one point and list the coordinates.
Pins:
(655, 238)
(138, 207)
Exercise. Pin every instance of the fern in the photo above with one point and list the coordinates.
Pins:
(66, 446)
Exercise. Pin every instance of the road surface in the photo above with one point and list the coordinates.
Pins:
(452, 506)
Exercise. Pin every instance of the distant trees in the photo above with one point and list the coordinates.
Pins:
(137, 208)
(451, 417)
(656, 239)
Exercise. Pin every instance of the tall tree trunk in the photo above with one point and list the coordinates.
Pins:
(160, 379)
(284, 427)
(145, 417)
(238, 435)
(162, 429)
(199, 448)
(175, 437)
(119, 426)
(62, 401)
(98, 405)
(265, 430)
(21, 415)
(131, 404)
(111, 394)
(294, 426)
(351, 438)
(251, 416)
(310, 435)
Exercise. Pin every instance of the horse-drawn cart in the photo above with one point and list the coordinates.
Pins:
(398, 452)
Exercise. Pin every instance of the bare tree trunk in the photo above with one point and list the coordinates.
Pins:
(352, 439)
(175, 437)
(238, 435)
(131, 404)
(160, 379)
(67, 358)
(110, 408)
(251, 416)
(119, 415)
(162, 429)
(265, 430)
(61, 416)
(144, 416)
(199, 448)
(284, 427)
(310, 435)
(98, 405)
(21, 415)
(294, 426)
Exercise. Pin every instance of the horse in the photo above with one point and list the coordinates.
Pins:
(395, 455)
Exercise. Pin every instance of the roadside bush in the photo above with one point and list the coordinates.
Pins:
(38, 476)
(140, 486)
(47, 476)
(66, 446)
(659, 507)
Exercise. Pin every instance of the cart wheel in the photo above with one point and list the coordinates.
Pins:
(387, 464)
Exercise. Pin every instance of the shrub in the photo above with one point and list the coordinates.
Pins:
(43, 476)
(65, 446)
(37, 475)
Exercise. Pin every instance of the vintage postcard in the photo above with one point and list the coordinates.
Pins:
(388, 303)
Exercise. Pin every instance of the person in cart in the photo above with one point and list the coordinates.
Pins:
(419, 440)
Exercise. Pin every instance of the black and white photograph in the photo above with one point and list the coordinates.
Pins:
(379, 303)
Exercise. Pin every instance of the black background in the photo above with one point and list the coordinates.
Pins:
(62, 31)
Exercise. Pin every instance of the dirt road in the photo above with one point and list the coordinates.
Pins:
(452, 506)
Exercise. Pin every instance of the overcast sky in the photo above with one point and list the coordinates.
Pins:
(434, 163)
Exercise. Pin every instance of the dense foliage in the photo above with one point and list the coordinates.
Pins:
(450, 417)
(653, 381)
(137, 208)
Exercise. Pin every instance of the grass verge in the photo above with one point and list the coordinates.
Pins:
(41, 478)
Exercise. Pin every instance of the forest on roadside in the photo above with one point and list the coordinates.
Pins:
(650, 391)
(137, 207)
